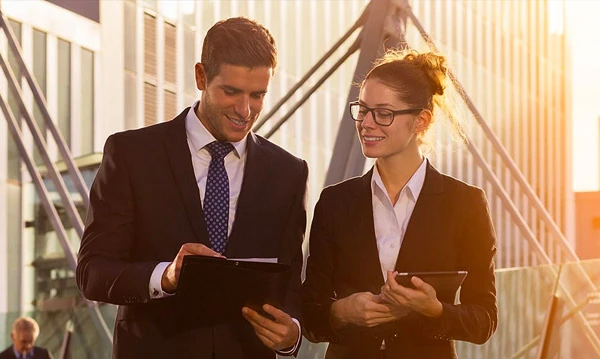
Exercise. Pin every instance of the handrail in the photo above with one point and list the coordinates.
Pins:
(361, 20)
(40, 187)
(41, 102)
(61, 188)
(514, 170)
(592, 337)
(352, 49)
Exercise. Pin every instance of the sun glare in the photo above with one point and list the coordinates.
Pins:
(583, 29)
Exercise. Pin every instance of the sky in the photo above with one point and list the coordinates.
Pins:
(583, 29)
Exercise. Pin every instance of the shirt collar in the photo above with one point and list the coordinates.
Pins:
(199, 136)
(18, 355)
(413, 186)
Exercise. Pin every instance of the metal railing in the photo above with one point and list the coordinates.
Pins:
(40, 144)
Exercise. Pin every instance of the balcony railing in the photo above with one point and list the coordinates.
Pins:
(535, 319)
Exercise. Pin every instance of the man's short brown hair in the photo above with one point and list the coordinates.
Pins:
(237, 41)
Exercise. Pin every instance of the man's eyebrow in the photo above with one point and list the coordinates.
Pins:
(230, 88)
(237, 90)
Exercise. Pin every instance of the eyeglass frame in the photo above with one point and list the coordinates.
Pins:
(374, 115)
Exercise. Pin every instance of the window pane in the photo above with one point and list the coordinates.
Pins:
(170, 105)
(130, 34)
(131, 100)
(64, 90)
(189, 61)
(39, 73)
(170, 54)
(150, 45)
(150, 115)
(14, 158)
(87, 101)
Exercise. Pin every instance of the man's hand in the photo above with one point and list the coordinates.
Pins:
(363, 309)
(170, 277)
(422, 299)
(280, 334)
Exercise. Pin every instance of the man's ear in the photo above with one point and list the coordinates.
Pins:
(423, 121)
(201, 81)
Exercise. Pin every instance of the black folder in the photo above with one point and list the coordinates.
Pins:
(213, 290)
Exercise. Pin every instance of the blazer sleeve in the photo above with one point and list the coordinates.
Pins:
(317, 290)
(293, 238)
(476, 317)
(106, 271)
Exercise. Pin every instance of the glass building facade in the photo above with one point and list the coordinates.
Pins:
(132, 65)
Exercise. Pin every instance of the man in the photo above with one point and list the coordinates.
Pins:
(156, 196)
(24, 333)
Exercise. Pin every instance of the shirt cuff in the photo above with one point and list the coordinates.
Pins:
(155, 286)
(293, 349)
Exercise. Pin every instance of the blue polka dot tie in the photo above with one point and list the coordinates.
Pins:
(216, 198)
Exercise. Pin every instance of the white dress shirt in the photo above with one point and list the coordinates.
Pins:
(391, 220)
(235, 162)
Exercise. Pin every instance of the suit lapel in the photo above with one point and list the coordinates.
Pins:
(366, 242)
(255, 173)
(421, 231)
(180, 160)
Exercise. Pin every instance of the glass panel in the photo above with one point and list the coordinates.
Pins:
(150, 45)
(130, 100)
(14, 261)
(39, 73)
(170, 105)
(574, 326)
(87, 101)
(14, 158)
(150, 108)
(130, 35)
(64, 90)
(170, 55)
(189, 61)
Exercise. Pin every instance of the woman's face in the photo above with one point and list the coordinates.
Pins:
(379, 141)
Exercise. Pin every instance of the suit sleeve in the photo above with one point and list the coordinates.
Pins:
(317, 289)
(294, 237)
(106, 271)
(476, 317)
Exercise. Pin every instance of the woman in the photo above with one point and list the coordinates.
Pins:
(402, 216)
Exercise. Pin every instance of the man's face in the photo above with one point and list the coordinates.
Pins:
(23, 340)
(232, 100)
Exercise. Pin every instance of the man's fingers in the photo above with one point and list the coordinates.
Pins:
(267, 330)
(258, 320)
(198, 249)
(279, 315)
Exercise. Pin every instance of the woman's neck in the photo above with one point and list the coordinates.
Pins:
(396, 171)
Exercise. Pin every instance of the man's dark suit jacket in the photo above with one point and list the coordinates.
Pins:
(145, 204)
(450, 229)
(38, 353)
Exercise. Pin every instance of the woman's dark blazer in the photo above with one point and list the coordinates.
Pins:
(450, 229)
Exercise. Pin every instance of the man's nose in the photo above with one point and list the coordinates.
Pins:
(242, 107)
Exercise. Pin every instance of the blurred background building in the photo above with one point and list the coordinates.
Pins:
(107, 66)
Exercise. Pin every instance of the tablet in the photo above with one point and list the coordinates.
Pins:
(440, 281)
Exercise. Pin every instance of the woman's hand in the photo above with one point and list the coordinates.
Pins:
(363, 309)
(422, 299)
